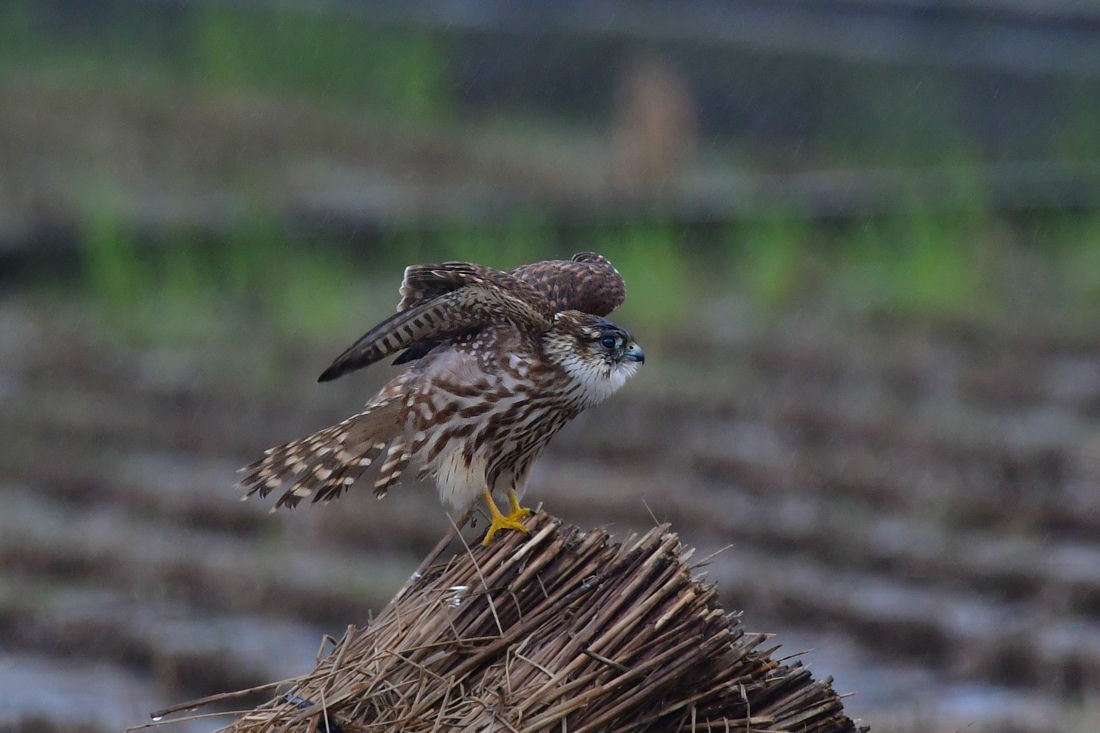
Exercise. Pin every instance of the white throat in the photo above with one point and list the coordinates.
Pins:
(598, 382)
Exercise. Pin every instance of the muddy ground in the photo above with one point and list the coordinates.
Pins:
(917, 507)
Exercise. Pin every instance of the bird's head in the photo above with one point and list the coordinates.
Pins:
(596, 354)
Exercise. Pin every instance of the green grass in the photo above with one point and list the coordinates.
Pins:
(320, 55)
(768, 260)
(306, 53)
(190, 286)
(652, 261)
(939, 268)
(920, 263)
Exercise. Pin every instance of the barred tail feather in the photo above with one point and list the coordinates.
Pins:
(397, 459)
(324, 464)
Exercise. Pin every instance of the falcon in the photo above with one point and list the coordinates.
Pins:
(497, 363)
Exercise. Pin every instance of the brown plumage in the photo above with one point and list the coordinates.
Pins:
(499, 362)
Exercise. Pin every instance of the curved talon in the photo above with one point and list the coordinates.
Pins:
(500, 521)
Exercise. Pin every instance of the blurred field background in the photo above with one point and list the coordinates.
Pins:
(862, 248)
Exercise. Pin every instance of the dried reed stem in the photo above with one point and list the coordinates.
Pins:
(559, 630)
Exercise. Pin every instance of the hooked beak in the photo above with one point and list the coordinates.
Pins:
(635, 353)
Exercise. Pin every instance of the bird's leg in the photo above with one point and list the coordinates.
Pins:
(515, 510)
(499, 521)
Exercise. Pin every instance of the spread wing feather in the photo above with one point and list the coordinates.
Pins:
(452, 314)
(444, 300)
(423, 283)
(588, 283)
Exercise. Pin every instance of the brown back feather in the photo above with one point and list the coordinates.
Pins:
(588, 283)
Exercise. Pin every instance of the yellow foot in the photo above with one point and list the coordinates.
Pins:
(505, 522)
(515, 510)
(499, 521)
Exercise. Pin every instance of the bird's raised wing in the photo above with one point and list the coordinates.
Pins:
(532, 294)
(423, 283)
(459, 311)
(588, 283)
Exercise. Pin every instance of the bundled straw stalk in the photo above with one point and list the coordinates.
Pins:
(556, 630)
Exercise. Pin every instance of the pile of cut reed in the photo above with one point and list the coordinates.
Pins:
(556, 630)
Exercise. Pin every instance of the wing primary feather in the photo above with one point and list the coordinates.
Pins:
(467, 309)
(417, 351)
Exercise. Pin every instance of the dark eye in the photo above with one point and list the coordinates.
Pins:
(609, 342)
